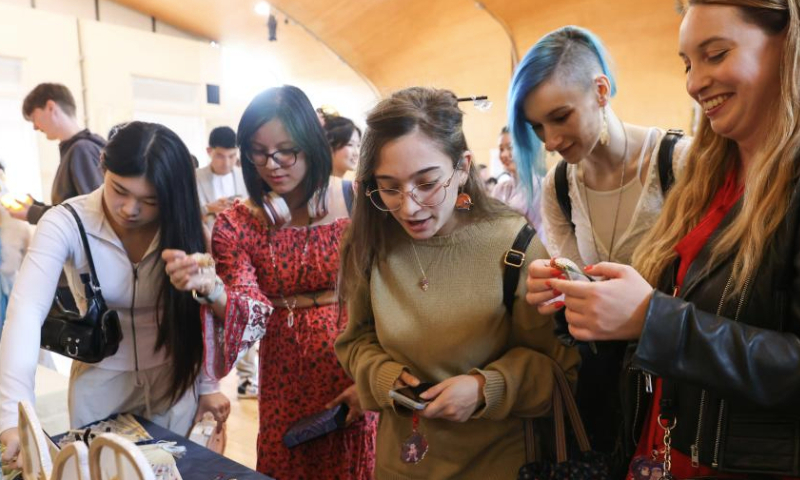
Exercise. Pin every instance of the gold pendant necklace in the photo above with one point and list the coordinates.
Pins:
(424, 284)
(619, 202)
(301, 271)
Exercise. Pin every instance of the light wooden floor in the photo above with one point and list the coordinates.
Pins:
(242, 424)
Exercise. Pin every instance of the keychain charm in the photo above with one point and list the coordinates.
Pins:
(415, 447)
(645, 468)
(667, 475)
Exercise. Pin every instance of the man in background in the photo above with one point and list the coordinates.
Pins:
(51, 108)
(221, 181)
(218, 185)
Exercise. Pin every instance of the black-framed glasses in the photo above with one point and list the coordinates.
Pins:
(284, 157)
(425, 194)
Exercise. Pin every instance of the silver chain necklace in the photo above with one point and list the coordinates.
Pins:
(619, 201)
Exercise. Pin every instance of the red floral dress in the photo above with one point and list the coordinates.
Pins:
(299, 372)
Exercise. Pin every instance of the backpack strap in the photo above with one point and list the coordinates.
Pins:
(347, 190)
(562, 191)
(665, 151)
(513, 260)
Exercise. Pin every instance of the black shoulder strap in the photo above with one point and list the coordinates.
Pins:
(665, 151)
(669, 400)
(562, 191)
(513, 260)
(95, 282)
(347, 190)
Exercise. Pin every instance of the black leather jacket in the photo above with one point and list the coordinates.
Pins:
(732, 367)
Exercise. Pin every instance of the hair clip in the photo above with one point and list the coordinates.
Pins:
(327, 110)
(481, 103)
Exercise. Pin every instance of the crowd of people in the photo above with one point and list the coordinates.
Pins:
(375, 272)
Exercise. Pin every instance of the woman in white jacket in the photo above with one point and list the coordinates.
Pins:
(148, 203)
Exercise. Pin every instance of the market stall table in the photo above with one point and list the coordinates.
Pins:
(200, 463)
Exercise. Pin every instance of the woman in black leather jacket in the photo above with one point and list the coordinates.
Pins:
(713, 377)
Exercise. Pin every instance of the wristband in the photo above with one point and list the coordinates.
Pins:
(216, 292)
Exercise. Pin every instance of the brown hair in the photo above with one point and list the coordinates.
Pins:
(38, 97)
(770, 179)
(435, 114)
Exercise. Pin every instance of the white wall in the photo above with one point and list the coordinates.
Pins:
(45, 41)
(26, 34)
(98, 61)
(76, 8)
(17, 3)
(114, 13)
(108, 11)
(114, 55)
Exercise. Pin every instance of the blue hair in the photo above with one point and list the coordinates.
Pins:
(536, 67)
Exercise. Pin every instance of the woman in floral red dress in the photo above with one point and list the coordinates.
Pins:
(280, 250)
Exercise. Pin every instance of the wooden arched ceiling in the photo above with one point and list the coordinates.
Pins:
(456, 45)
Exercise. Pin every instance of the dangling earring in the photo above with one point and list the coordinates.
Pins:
(604, 136)
(463, 201)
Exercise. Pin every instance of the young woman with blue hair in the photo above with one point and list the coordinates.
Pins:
(560, 99)
(711, 305)
(601, 199)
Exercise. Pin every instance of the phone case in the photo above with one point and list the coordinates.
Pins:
(316, 425)
(406, 401)
(571, 270)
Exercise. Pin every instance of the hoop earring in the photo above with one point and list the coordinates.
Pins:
(604, 136)
(463, 201)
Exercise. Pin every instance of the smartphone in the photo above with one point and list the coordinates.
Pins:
(409, 396)
(574, 273)
(571, 270)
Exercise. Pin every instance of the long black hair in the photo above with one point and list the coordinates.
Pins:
(155, 152)
(291, 106)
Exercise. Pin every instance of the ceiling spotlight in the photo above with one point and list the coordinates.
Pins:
(272, 28)
(262, 8)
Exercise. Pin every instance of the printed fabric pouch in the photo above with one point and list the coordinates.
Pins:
(316, 425)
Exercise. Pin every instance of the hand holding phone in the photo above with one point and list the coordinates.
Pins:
(409, 397)
(570, 269)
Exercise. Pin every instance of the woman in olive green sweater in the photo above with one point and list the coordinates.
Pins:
(424, 284)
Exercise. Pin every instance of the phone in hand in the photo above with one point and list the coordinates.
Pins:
(409, 397)
(574, 273)
(571, 270)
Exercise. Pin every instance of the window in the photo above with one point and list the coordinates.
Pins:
(18, 149)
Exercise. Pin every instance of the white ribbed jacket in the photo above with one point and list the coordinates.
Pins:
(129, 289)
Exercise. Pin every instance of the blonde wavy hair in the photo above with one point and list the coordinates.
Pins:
(771, 178)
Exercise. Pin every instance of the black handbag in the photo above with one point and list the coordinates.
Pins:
(90, 337)
(586, 465)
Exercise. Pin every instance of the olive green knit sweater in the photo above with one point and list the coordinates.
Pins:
(458, 326)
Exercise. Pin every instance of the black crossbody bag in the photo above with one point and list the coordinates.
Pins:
(87, 338)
